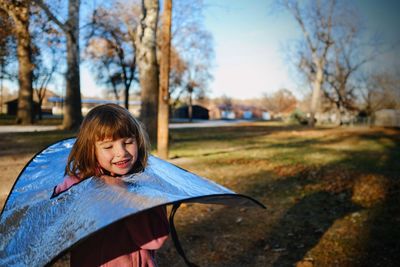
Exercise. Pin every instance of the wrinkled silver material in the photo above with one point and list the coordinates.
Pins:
(35, 229)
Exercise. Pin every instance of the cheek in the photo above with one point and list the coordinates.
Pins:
(102, 157)
(133, 151)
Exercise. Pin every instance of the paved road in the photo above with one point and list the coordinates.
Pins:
(205, 123)
(26, 128)
(174, 125)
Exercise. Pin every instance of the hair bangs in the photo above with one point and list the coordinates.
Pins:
(115, 129)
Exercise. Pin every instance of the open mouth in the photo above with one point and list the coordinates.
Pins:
(122, 163)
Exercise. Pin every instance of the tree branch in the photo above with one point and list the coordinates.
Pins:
(45, 8)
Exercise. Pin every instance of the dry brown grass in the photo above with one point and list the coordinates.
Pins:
(332, 195)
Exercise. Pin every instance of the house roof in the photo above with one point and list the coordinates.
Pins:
(57, 99)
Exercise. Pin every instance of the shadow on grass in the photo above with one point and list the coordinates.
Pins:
(230, 132)
(293, 223)
(230, 237)
(383, 248)
(303, 225)
(30, 142)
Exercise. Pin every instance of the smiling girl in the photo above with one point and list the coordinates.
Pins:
(112, 143)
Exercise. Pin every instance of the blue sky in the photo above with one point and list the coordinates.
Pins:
(250, 38)
(247, 39)
(248, 45)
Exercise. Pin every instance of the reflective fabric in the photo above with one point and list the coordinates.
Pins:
(35, 229)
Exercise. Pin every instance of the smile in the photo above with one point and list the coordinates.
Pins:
(122, 164)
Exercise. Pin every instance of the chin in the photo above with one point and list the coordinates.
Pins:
(122, 172)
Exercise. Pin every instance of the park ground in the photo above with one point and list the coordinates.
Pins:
(332, 194)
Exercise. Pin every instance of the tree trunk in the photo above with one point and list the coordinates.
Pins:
(128, 80)
(126, 104)
(338, 114)
(163, 100)
(190, 106)
(148, 66)
(40, 110)
(72, 110)
(25, 72)
(1, 87)
(316, 95)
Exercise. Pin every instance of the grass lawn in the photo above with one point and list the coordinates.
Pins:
(332, 194)
(10, 120)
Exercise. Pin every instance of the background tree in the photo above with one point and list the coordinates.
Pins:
(316, 20)
(73, 106)
(281, 101)
(163, 100)
(146, 42)
(381, 91)
(7, 50)
(344, 66)
(100, 54)
(46, 55)
(191, 86)
(43, 74)
(177, 68)
(111, 46)
(332, 54)
(192, 52)
(19, 12)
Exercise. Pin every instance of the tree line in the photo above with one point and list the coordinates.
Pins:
(122, 42)
(332, 57)
(124, 45)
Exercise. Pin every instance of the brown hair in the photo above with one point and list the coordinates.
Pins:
(105, 121)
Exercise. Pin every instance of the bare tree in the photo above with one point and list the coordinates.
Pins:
(6, 50)
(146, 42)
(332, 53)
(46, 53)
(19, 12)
(279, 102)
(101, 54)
(177, 69)
(42, 76)
(192, 54)
(345, 64)
(191, 86)
(73, 106)
(316, 21)
(112, 47)
(382, 91)
(339, 90)
(163, 100)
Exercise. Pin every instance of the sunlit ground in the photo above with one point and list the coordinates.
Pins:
(332, 194)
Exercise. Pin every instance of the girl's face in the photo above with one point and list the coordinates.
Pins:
(117, 156)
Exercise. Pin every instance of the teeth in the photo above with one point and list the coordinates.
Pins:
(121, 162)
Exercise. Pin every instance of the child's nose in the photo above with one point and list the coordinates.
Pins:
(120, 150)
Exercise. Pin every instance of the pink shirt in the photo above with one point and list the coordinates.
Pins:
(129, 242)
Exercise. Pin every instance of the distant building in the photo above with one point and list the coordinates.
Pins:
(236, 111)
(247, 114)
(12, 107)
(228, 114)
(52, 104)
(89, 103)
(387, 118)
(198, 112)
(266, 116)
